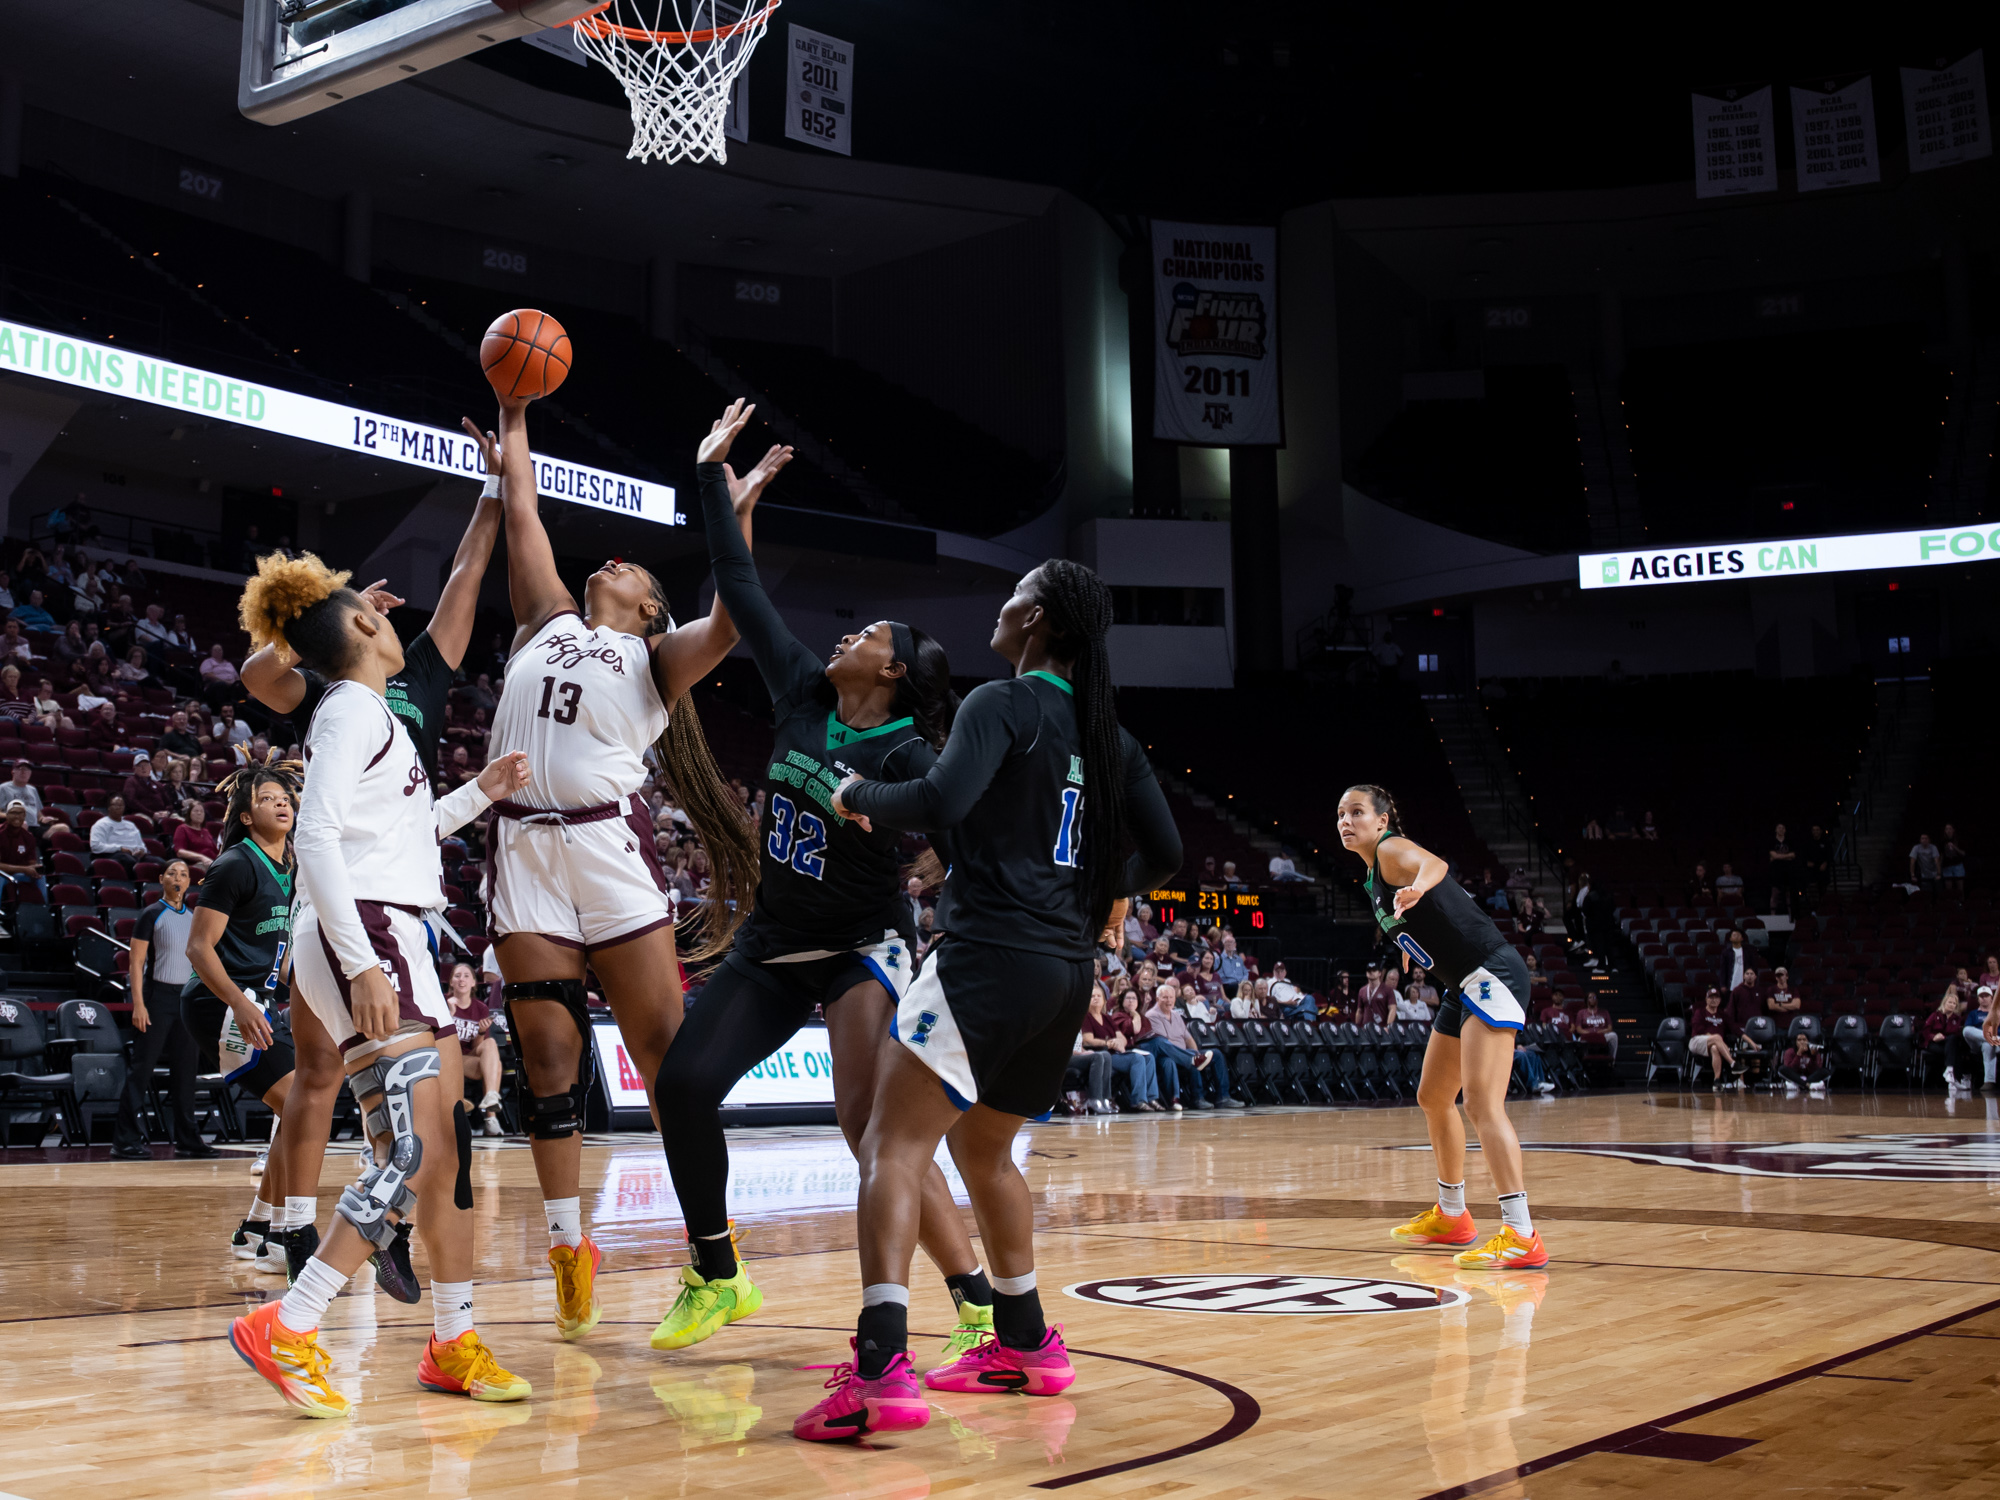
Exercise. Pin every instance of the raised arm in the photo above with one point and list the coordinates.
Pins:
(786, 665)
(269, 676)
(451, 622)
(533, 586)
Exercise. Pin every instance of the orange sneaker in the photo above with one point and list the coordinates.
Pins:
(1436, 1227)
(466, 1367)
(293, 1362)
(1506, 1251)
(577, 1308)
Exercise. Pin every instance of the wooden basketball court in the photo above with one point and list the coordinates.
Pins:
(1760, 1296)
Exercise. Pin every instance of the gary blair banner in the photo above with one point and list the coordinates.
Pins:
(1789, 558)
(1215, 314)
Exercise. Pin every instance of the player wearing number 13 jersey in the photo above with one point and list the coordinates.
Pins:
(830, 930)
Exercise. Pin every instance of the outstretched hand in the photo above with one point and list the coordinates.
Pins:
(378, 595)
(722, 432)
(1406, 898)
(506, 775)
(489, 448)
(743, 492)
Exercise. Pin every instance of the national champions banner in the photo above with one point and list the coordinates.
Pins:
(1215, 316)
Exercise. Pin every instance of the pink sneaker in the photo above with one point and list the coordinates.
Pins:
(991, 1366)
(859, 1408)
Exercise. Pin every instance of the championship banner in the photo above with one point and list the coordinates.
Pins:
(1946, 110)
(1215, 315)
(1789, 558)
(1735, 150)
(1833, 126)
(822, 85)
(112, 371)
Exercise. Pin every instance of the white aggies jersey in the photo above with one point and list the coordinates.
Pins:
(583, 704)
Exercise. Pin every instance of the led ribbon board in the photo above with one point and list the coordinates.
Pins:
(1791, 558)
(160, 382)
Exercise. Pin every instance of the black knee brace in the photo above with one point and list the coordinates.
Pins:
(553, 1117)
(569, 994)
(461, 1192)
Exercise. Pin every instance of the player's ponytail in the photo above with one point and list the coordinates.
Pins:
(300, 605)
(1384, 804)
(718, 815)
(1079, 612)
(924, 695)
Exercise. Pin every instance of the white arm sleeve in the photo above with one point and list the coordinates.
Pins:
(461, 807)
(345, 733)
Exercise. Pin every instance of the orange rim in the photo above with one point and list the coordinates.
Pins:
(598, 27)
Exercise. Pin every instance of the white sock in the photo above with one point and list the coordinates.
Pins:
(451, 1309)
(884, 1291)
(300, 1211)
(310, 1296)
(1451, 1198)
(565, 1221)
(1014, 1286)
(1514, 1213)
(260, 1211)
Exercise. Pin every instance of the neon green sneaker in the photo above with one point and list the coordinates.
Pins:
(705, 1308)
(975, 1325)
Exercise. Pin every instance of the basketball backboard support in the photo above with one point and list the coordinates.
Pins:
(301, 56)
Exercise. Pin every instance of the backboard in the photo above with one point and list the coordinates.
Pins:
(300, 56)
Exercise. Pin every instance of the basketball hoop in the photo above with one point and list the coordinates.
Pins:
(678, 80)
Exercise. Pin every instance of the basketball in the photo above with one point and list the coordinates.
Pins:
(525, 354)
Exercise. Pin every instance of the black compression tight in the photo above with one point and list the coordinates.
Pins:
(735, 1025)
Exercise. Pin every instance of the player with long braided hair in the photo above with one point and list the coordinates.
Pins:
(1038, 788)
(831, 928)
(573, 878)
(1484, 983)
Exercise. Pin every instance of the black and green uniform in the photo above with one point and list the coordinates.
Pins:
(255, 895)
(1472, 965)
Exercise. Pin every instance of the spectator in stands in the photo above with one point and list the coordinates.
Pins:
(1231, 881)
(1783, 1002)
(1979, 1034)
(120, 624)
(1161, 955)
(1990, 975)
(13, 704)
(1243, 1005)
(1202, 981)
(1593, 830)
(1537, 979)
(96, 674)
(1293, 1003)
(1700, 889)
(133, 670)
(70, 649)
(698, 870)
(1089, 1074)
(228, 731)
(1804, 1065)
(14, 645)
(32, 615)
(17, 789)
(481, 693)
(145, 791)
(1201, 1074)
(1745, 999)
(459, 769)
(115, 836)
(1735, 959)
(151, 631)
(1943, 1036)
(1926, 864)
(1211, 877)
(194, 843)
(1181, 942)
(1198, 1006)
(1708, 1037)
(1784, 859)
(1104, 1032)
(179, 739)
(1555, 1016)
(32, 571)
(1728, 885)
(6, 590)
(1593, 1024)
(1229, 965)
(1951, 862)
(1815, 862)
(86, 589)
(1284, 871)
(20, 851)
(219, 684)
(1621, 825)
(180, 638)
(1376, 1004)
(1648, 829)
(1419, 1000)
(175, 775)
(48, 707)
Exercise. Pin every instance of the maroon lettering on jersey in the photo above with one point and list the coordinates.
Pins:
(417, 779)
(567, 650)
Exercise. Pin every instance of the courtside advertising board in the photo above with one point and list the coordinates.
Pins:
(112, 371)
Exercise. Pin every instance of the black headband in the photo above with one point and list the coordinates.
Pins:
(904, 642)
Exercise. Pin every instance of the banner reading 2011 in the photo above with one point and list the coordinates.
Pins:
(1215, 314)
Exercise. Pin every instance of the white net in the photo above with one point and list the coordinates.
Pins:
(677, 60)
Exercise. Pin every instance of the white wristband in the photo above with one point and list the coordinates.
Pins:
(492, 489)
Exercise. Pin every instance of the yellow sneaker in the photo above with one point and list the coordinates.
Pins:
(1506, 1251)
(466, 1367)
(1436, 1227)
(705, 1308)
(974, 1323)
(293, 1362)
(577, 1309)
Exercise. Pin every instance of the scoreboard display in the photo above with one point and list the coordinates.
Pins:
(1169, 906)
